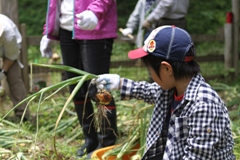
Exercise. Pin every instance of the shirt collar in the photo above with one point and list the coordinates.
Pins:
(192, 89)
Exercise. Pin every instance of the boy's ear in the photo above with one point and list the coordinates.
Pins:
(167, 66)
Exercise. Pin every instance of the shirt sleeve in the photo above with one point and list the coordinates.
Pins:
(134, 18)
(161, 9)
(100, 7)
(209, 133)
(142, 90)
(11, 44)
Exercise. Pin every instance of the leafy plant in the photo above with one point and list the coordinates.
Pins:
(79, 80)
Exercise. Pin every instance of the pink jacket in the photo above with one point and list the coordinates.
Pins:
(105, 10)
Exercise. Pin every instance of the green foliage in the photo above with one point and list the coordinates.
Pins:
(33, 14)
(205, 17)
(34, 54)
(120, 51)
(230, 95)
(124, 9)
(209, 48)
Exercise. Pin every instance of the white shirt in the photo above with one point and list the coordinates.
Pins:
(10, 40)
(66, 19)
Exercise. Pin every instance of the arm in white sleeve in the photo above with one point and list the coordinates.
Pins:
(161, 9)
(11, 45)
(134, 18)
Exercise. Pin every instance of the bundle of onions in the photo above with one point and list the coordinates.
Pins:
(102, 99)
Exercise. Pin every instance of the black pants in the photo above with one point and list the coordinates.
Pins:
(181, 22)
(92, 56)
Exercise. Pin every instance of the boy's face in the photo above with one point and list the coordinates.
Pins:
(165, 78)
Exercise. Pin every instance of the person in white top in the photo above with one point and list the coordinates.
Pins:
(86, 30)
(10, 45)
(149, 14)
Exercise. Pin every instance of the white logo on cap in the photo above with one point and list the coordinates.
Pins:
(151, 46)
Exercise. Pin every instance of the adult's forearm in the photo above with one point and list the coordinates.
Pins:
(7, 64)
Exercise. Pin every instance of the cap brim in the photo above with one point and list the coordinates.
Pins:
(137, 53)
(1, 29)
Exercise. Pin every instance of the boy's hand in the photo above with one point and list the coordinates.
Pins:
(109, 82)
(46, 47)
(87, 20)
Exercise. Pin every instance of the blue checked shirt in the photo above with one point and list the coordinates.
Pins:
(199, 127)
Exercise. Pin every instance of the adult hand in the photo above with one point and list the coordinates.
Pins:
(109, 82)
(2, 76)
(46, 47)
(146, 25)
(127, 31)
(87, 20)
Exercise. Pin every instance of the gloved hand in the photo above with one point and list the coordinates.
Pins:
(127, 31)
(2, 76)
(46, 47)
(87, 20)
(146, 25)
(109, 82)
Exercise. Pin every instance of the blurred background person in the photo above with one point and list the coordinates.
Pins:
(150, 14)
(86, 30)
(10, 45)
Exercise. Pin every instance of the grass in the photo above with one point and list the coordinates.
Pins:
(132, 73)
(67, 144)
(230, 93)
(69, 136)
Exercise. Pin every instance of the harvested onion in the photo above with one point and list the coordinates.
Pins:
(103, 97)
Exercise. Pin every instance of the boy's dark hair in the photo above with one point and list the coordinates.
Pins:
(180, 69)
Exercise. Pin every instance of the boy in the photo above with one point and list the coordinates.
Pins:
(189, 120)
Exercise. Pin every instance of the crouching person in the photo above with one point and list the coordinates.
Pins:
(10, 45)
(189, 120)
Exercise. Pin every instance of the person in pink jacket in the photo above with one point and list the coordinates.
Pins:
(86, 30)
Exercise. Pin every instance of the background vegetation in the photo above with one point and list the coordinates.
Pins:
(204, 17)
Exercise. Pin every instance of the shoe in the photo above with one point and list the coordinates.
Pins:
(85, 149)
(89, 155)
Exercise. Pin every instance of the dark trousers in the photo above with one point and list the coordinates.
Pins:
(17, 89)
(92, 56)
(181, 22)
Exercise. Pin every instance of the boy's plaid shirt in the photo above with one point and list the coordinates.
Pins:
(199, 127)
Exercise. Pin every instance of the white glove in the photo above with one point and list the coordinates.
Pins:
(46, 47)
(127, 31)
(87, 20)
(2, 76)
(109, 82)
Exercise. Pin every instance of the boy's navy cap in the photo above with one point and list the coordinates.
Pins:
(167, 42)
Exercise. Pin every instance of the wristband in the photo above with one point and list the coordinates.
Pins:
(3, 71)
